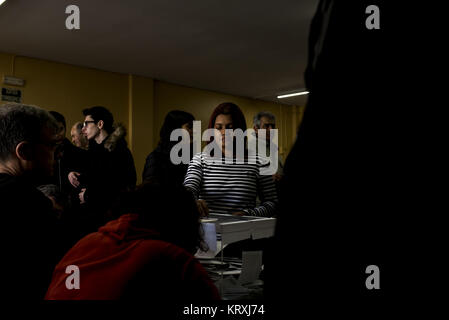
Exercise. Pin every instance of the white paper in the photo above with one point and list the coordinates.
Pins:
(251, 266)
(210, 238)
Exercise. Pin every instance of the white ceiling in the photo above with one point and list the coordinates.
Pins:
(250, 48)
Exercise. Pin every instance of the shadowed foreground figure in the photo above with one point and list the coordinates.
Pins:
(31, 237)
(345, 199)
(146, 254)
(158, 164)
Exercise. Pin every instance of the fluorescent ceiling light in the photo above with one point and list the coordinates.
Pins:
(1, 2)
(293, 94)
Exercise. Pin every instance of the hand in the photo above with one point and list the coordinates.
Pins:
(81, 195)
(202, 208)
(277, 177)
(239, 213)
(73, 178)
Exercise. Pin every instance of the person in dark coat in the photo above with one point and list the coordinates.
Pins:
(109, 168)
(31, 236)
(158, 164)
(68, 157)
(339, 201)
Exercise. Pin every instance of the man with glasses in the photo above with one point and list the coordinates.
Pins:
(30, 236)
(109, 166)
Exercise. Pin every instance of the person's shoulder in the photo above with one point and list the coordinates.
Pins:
(19, 196)
(121, 151)
(157, 154)
(9, 184)
(200, 157)
(168, 251)
(119, 146)
(71, 149)
(167, 248)
(87, 242)
(6, 181)
(11, 191)
(116, 141)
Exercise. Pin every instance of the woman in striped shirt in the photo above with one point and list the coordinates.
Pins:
(226, 185)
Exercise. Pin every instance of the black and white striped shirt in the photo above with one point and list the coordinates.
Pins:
(232, 187)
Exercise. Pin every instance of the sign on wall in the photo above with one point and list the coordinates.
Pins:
(11, 95)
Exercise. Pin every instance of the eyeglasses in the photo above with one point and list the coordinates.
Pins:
(85, 123)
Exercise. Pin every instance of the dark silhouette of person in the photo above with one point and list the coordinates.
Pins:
(67, 156)
(340, 208)
(31, 237)
(109, 168)
(158, 164)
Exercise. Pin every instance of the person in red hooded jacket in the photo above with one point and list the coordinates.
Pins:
(146, 254)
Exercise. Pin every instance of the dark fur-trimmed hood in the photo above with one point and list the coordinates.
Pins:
(116, 138)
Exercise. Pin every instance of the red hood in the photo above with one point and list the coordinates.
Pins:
(122, 261)
(124, 229)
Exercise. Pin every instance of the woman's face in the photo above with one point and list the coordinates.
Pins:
(223, 122)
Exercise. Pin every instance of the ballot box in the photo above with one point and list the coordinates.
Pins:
(223, 229)
(231, 228)
(236, 278)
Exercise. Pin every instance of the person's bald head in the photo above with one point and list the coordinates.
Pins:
(78, 139)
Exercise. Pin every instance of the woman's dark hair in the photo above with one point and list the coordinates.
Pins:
(229, 108)
(238, 120)
(173, 120)
(59, 117)
(169, 210)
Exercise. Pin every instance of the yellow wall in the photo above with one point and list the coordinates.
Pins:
(139, 103)
(69, 89)
(141, 111)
